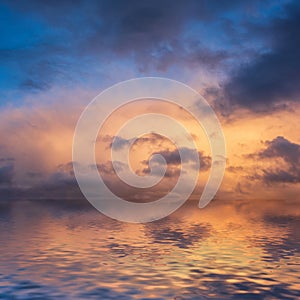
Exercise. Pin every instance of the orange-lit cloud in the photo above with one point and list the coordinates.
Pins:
(36, 148)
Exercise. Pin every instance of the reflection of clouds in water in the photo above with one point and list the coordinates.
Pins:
(231, 286)
(61, 249)
(176, 233)
(277, 227)
(27, 290)
(286, 245)
(107, 293)
(158, 234)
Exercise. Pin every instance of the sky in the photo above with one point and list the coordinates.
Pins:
(242, 56)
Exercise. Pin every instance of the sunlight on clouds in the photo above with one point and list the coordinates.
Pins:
(39, 139)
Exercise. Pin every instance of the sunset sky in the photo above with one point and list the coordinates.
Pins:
(242, 56)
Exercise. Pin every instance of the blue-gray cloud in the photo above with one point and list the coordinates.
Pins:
(69, 42)
(273, 77)
(285, 171)
(6, 175)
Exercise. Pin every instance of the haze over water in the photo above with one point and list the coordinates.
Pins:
(229, 250)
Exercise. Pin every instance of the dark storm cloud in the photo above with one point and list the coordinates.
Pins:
(60, 42)
(274, 76)
(152, 30)
(286, 157)
(121, 23)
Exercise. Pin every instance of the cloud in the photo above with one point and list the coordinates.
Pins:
(38, 143)
(281, 176)
(173, 157)
(286, 157)
(234, 169)
(273, 77)
(283, 148)
(6, 173)
(174, 161)
(59, 184)
(37, 137)
(66, 42)
(64, 174)
(119, 143)
(108, 169)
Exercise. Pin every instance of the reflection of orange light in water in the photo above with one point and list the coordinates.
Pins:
(224, 239)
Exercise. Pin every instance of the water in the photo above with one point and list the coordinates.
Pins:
(229, 250)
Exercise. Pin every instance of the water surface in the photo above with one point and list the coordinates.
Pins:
(229, 250)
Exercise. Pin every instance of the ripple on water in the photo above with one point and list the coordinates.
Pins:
(56, 251)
